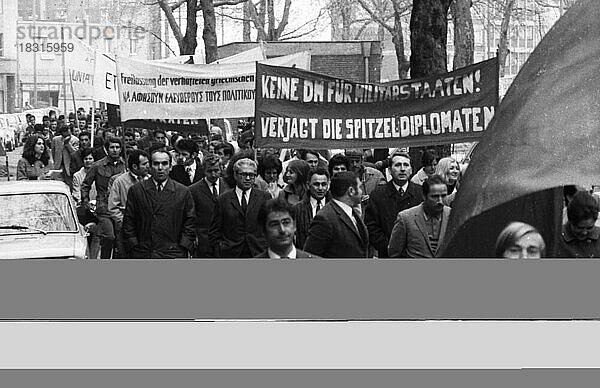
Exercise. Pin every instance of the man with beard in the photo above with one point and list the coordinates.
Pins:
(385, 202)
(419, 231)
(277, 220)
(100, 174)
(337, 230)
(205, 194)
(159, 216)
(305, 211)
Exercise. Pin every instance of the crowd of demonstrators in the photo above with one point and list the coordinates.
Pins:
(160, 194)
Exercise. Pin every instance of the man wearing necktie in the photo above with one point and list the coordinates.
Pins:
(159, 215)
(205, 194)
(385, 202)
(337, 230)
(234, 230)
(305, 210)
(188, 170)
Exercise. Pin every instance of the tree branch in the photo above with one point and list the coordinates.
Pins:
(375, 17)
(171, 19)
(220, 3)
(285, 18)
(176, 5)
(258, 24)
(315, 20)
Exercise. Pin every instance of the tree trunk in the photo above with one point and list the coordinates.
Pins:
(428, 36)
(270, 20)
(503, 44)
(246, 23)
(188, 44)
(398, 41)
(464, 39)
(209, 32)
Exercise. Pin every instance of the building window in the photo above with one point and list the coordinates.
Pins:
(1, 43)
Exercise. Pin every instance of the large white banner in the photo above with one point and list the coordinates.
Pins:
(80, 63)
(151, 90)
(105, 79)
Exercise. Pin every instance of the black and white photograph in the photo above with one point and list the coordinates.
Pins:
(296, 160)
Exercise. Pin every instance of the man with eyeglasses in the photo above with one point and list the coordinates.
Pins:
(234, 229)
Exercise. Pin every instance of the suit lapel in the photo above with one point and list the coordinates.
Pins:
(420, 221)
(252, 200)
(445, 218)
(207, 191)
(345, 219)
(236, 203)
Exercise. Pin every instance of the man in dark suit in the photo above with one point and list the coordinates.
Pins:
(62, 154)
(234, 230)
(420, 230)
(159, 215)
(337, 231)
(277, 220)
(305, 210)
(189, 169)
(387, 201)
(205, 194)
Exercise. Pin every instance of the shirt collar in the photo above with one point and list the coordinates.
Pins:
(163, 185)
(210, 185)
(347, 209)
(404, 187)
(239, 192)
(292, 255)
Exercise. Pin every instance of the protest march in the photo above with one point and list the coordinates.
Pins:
(254, 156)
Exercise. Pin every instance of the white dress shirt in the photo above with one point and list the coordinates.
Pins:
(404, 187)
(239, 192)
(191, 170)
(313, 204)
(292, 255)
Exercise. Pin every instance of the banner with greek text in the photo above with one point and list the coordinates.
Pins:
(151, 90)
(301, 109)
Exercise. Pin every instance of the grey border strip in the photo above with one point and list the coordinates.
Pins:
(326, 290)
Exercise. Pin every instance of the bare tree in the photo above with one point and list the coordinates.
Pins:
(464, 39)
(189, 41)
(401, 8)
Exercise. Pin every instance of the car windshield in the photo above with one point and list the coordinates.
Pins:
(48, 212)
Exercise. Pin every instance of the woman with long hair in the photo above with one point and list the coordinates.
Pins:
(296, 177)
(35, 163)
(449, 170)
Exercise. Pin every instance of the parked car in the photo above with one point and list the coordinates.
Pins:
(39, 221)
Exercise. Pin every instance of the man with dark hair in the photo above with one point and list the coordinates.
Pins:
(63, 152)
(234, 230)
(100, 173)
(371, 177)
(118, 187)
(337, 230)
(225, 152)
(30, 129)
(189, 169)
(420, 230)
(205, 194)
(311, 157)
(385, 202)
(338, 163)
(159, 216)
(305, 210)
(580, 235)
(277, 220)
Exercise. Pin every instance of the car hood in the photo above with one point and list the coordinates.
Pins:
(38, 246)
